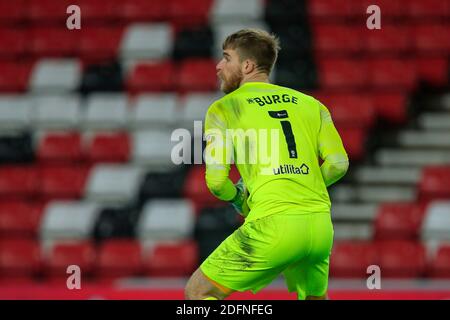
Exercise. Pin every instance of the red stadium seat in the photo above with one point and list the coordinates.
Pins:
(398, 221)
(48, 11)
(19, 259)
(151, 77)
(100, 43)
(109, 147)
(60, 146)
(197, 75)
(14, 43)
(401, 259)
(329, 9)
(62, 255)
(19, 218)
(118, 258)
(430, 39)
(196, 190)
(391, 74)
(144, 10)
(12, 12)
(99, 11)
(391, 106)
(435, 183)
(336, 39)
(354, 141)
(18, 181)
(440, 266)
(62, 182)
(172, 260)
(433, 71)
(14, 76)
(351, 259)
(343, 73)
(53, 41)
(390, 39)
(432, 9)
(349, 110)
(189, 12)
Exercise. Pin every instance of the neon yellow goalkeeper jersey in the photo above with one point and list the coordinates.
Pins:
(275, 136)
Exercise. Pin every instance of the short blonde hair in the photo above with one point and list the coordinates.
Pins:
(255, 44)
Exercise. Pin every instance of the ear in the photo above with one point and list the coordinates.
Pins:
(248, 66)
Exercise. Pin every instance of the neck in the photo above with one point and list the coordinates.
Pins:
(255, 77)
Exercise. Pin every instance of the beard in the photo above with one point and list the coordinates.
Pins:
(231, 84)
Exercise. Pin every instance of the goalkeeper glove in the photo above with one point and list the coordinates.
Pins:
(239, 202)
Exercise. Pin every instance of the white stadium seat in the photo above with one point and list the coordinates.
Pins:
(154, 110)
(106, 111)
(15, 112)
(56, 112)
(166, 220)
(56, 76)
(237, 10)
(152, 149)
(436, 223)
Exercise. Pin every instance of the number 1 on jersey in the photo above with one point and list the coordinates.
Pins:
(287, 130)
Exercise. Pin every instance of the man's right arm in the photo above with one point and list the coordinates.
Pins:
(331, 149)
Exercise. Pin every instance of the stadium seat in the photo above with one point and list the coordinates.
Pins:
(63, 146)
(68, 220)
(189, 12)
(154, 110)
(328, 10)
(193, 42)
(197, 75)
(391, 106)
(300, 74)
(440, 265)
(398, 221)
(391, 73)
(19, 258)
(343, 73)
(162, 185)
(153, 149)
(55, 76)
(166, 219)
(19, 218)
(194, 107)
(108, 147)
(136, 45)
(13, 12)
(106, 111)
(151, 77)
(99, 11)
(99, 43)
(351, 259)
(14, 76)
(401, 259)
(434, 9)
(143, 10)
(354, 141)
(172, 259)
(113, 183)
(349, 110)
(435, 183)
(14, 43)
(296, 42)
(334, 39)
(65, 253)
(105, 76)
(389, 40)
(61, 112)
(53, 42)
(229, 10)
(391, 11)
(62, 181)
(428, 38)
(118, 258)
(433, 71)
(436, 223)
(16, 148)
(47, 11)
(18, 181)
(15, 113)
(116, 222)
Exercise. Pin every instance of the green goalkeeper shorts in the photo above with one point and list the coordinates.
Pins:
(296, 245)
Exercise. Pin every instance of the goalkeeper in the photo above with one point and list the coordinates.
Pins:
(285, 202)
